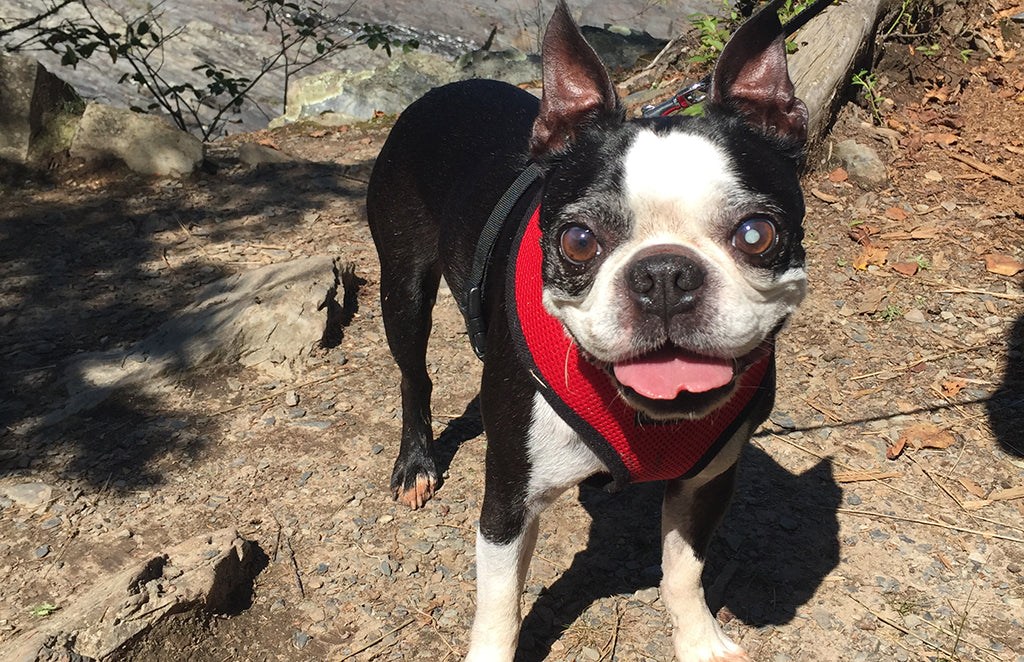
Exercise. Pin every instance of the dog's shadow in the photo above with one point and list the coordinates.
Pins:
(777, 543)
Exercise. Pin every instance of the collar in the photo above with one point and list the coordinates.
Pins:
(585, 397)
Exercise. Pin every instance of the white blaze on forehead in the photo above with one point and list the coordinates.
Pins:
(676, 183)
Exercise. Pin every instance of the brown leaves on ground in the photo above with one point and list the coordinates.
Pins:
(919, 436)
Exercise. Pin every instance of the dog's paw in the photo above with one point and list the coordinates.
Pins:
(413, 483)
(417, 495)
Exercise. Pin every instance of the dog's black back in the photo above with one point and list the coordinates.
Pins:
(448, 158)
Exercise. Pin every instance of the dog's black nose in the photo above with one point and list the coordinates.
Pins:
(665, 284)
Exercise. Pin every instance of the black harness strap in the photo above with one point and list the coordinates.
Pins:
(475, 322)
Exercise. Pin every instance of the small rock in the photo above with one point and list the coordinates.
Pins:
(51, 523)
(914, 315)
(783, 420)
(865, 168)
(299, 640)
(30, 495)
(291, 398)
(41, 551)
(647, 595)
(854, 500)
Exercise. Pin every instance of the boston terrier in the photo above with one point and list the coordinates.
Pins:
(623, 281)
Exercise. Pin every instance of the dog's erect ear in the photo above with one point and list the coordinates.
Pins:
(751, 77)
(576, 85)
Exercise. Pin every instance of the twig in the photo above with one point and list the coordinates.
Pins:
(823, 411)
(295, 566)
(981, 166)
(188, 233)
(923, 359)
(956, 289)
(437, 631)
(893, 624)
(264, 398)
(376, 641)
(951, 527)
(610, 647)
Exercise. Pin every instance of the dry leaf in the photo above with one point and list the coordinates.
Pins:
(906, 268)
(267, 142)
(926, 435)
(972, 487)
(838, 175)
(871, 300)
(1007, 495)
(319, 133)
(894, 451)
(870, 255)
(1004, 265)
(862, 233)
(896, 214)
(952, 388)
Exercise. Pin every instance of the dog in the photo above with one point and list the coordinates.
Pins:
(634, 289)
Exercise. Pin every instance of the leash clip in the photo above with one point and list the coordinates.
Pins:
(690, 96)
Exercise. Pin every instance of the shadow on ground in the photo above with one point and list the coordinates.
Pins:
(76, 265)
(768, 557)
(1006, 406)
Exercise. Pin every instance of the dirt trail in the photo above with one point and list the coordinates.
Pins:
(831, 551)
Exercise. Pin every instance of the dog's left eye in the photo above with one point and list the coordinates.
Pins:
(579, 245)
(754, 236)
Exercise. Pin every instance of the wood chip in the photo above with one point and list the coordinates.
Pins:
(906, 268)
(825, 197)
(1004, 265)
(838, 175)
(896, 214)
(865, 475)
(894, 451)
(1007, 495)
(972, 487)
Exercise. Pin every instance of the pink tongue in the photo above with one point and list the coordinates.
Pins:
(664, 375)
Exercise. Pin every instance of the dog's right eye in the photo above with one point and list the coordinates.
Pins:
(579, 245)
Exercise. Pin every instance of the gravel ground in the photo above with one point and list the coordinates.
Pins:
(831, 551)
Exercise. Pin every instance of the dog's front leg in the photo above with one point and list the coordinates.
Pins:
(691, 511)
(501, 571)
(530, 462)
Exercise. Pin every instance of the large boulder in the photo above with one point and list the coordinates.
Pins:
(147, 144)
(38, 110)
(271, 317)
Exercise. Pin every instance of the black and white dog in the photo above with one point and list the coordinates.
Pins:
(631, 300)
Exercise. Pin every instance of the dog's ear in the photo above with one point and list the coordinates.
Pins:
(751, 77)
(577, 86)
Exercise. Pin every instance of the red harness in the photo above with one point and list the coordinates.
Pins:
(585, 397)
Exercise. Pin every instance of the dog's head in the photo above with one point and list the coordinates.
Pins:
(672, 249)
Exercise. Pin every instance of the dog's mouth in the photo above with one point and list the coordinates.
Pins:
(664, 374)
(673, 383)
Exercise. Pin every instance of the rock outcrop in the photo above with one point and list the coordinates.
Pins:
(38, 110)
(213, 571)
